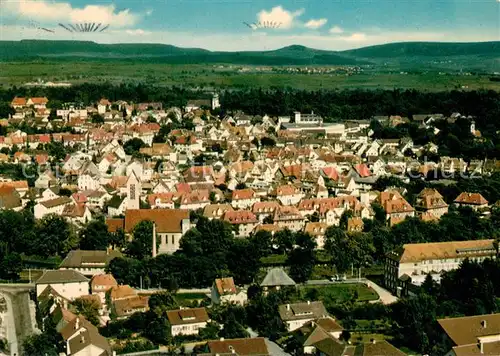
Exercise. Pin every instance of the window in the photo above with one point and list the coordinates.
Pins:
(173, 239)
(132, 191)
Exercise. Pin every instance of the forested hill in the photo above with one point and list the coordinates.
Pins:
(410, 52)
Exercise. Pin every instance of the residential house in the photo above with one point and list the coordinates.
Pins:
(355, 224)
(244, 198)
(10, 199)
(89, 177)
(124, 308)
(161, 200)
(288, 194)
(187, 321)
(100, 284)
(243, 221)
(117, 205)
(472, 335)
(88, 263)
(265, 209)
(53, 206)
(396, 207)
(216, 211)
(320, 336)
(45, 180)
(83, 338)
(225, 291)
(317, 231)
(474, 201)
(430, 202)
(241, 347)
(69, 284)
(413, 262)
(103, 105)
(78, 214)
(194, 200)
(37, 102)
(289, 217)
(296, 315)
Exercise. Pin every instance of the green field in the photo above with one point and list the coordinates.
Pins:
(211, 76)
(338, 293)
(187, 299)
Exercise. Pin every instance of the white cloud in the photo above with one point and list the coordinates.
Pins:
(336, 29)
(137, 32)
(44, 11)
(355, 37)
(279, 15)
(315, 24)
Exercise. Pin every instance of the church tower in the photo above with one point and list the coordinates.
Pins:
(133, 191)
(215, 101)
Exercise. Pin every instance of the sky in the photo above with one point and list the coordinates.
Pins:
(229, 25)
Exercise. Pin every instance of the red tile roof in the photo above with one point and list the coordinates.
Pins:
(240, 217)
(166, 220)
(471, 198)
(241, 194)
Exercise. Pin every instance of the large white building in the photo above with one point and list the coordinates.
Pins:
(414, 262)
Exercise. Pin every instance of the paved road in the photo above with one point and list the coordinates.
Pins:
(385, 296)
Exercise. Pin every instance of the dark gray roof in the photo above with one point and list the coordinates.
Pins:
(86, 258)
(277, 277)
(61, 276)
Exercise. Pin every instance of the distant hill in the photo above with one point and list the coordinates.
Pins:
(406, 52)
(427, 49)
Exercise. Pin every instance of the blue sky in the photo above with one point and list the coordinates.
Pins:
(218, 24)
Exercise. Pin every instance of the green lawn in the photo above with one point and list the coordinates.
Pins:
(186, 299)
(339, 293)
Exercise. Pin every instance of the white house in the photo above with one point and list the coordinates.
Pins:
(68, 283)
(225, 291)
(89, 177)
(187, 321)
(88, 263)
(83, 339)
(289, 194)
(53, 206)
(297, 314)
(244, 198)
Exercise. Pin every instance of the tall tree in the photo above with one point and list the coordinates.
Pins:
(95, 236)
(54, 236)
(89, 308)
(141, 245)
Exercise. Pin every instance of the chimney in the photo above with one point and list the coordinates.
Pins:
(231, 348)
(77, 323)
(221, 339)
(308, 302)
(483, 324)
(288, 307)
(82, 338)
(154, 239)
(481, 347)
(373, 341)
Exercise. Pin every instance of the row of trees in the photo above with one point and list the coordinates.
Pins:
(209, 251)
(50, 237)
